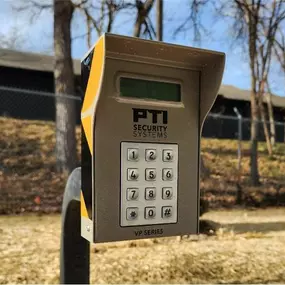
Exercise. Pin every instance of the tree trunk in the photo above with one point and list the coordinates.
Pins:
(64, 84)
(252, 36)
(271, 118)
(263, 117)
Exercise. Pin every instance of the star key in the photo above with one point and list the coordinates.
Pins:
(132, 213)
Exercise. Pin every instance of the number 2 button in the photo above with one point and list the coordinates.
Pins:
(133, 174)
(150, 154)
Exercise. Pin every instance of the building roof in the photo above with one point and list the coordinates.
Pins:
(42, 62)
(233, 93)
(31, 61)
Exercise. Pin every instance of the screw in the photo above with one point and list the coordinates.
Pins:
(88, 228)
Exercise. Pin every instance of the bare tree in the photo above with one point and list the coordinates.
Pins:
(64, 80)
(142, 19)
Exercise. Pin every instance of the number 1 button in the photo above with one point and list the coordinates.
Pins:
(133, 154)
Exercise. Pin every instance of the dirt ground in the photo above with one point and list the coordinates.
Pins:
(249, 248)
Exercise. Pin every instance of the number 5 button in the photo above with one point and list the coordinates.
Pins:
(167, 174)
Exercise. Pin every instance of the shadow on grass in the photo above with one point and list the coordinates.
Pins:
(257, 227)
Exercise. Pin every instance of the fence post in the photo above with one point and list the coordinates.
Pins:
(239, 153)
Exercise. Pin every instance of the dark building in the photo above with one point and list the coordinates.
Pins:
(27, 84)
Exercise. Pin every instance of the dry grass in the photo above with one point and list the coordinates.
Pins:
(249, 248)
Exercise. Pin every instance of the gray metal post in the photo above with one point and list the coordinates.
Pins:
(74, 250)
(239, 137)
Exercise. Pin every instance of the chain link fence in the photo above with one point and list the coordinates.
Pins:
(29, 180)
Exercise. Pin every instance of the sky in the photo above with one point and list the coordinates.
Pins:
(37, 36)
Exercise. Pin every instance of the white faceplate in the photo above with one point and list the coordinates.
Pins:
(149, 176)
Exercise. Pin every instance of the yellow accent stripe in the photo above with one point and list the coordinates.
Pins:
(83, 209)
(94, 79)
(87, 126)
(92, 91)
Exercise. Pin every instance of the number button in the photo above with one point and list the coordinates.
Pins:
(167, 174)
(132, 213)
(150, 154)
(132, 194)
(150, 212)
(167, 193)
(166, 212)
(167, 155)
(150, 193)
(133, 174)
(150, 174)
(133, 154)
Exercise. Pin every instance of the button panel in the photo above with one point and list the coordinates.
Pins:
(149, 178)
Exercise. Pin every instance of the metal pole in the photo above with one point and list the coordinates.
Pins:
(159, 20)
(239, 137)
(74, 250)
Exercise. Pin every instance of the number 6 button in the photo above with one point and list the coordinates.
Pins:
(167, 174)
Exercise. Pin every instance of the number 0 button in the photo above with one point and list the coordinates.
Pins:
(150, 155)
(133, 174)
(150, 212)
(167, 174)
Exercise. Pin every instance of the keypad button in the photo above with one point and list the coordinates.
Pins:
(150, 174)
(133, 154)
(133, 174)
(132, 213)
(132, 194)
(167, 193)
(166, 212)
(167, 155)
(149, 212)
(150, 193)
(167, 174)
(150, 154)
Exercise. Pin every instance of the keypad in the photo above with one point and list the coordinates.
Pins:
(149, 181)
